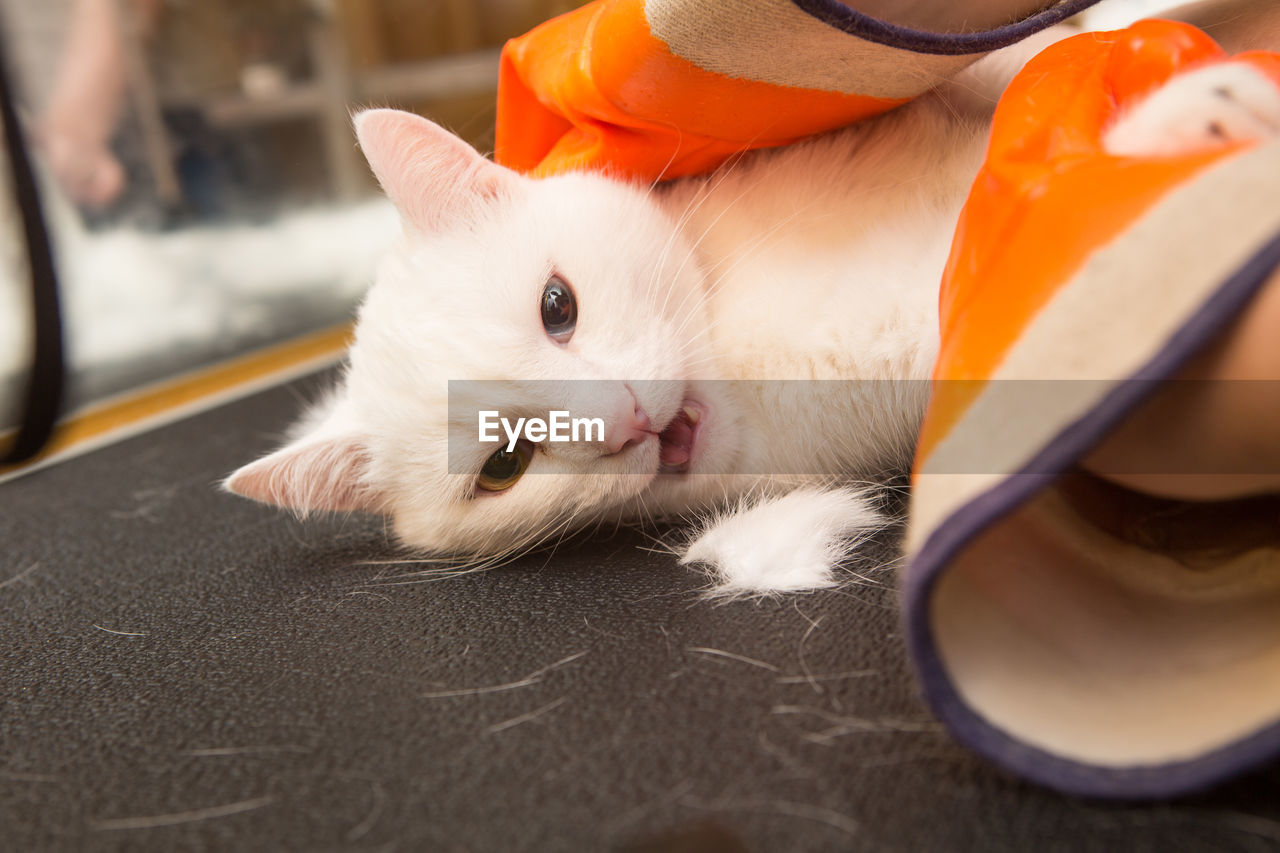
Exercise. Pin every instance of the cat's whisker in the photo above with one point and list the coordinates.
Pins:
(405, 561)
(701, 196)
(743, 255)
(695, 203)
(677, 231)
(663, 547)
(674, 151)
(645, 512)
(564, 530)
(752, 248)
(457, 566)
(693, 249)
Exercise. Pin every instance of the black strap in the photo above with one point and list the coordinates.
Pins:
(839, 15)
(43, 399)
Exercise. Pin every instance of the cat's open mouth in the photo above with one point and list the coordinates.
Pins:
(678, 439)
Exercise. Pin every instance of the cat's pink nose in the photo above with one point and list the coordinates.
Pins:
(627, 428)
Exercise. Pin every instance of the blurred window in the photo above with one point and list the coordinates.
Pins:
(199, 174)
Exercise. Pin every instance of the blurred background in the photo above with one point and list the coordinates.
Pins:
(199, 172)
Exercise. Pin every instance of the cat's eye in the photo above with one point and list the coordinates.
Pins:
(559, 309)
(503, 468)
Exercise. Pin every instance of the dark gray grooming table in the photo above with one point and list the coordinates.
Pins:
(185, 670)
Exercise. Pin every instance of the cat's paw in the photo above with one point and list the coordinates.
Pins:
(1199, 109)
(783, 544)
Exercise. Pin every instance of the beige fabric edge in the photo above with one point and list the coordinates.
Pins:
(1196, 236)
(1150, 665)
(1041, 634)
(772, 41)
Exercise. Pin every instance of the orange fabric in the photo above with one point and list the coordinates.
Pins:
(1048, 195)
(593, 89)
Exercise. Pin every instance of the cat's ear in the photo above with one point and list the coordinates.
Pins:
(432, 176)
(313, 474)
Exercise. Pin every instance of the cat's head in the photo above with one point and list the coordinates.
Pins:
(573, 293)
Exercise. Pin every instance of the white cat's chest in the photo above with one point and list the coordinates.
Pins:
(823, 263)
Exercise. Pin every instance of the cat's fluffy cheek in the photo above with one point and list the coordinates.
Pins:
(447, 528)
(512, 521)
(416, 533)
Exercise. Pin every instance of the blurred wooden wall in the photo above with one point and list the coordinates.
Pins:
(385, 31)
(380, 33)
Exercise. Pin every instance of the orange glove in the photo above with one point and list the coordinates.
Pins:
(1049, 195)
(596, 89)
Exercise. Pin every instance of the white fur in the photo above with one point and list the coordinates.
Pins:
(1199, 109)
(819, 262)
(820, 528)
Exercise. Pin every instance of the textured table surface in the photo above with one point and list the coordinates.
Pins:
(181, 669)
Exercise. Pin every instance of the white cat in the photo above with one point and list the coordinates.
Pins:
(680, 316)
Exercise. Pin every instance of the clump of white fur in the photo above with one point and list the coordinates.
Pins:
(790, 543)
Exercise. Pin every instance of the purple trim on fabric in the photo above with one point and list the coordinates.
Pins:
(1142, 782)
(855, 23)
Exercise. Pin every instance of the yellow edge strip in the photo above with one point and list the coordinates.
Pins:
(124, 415)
